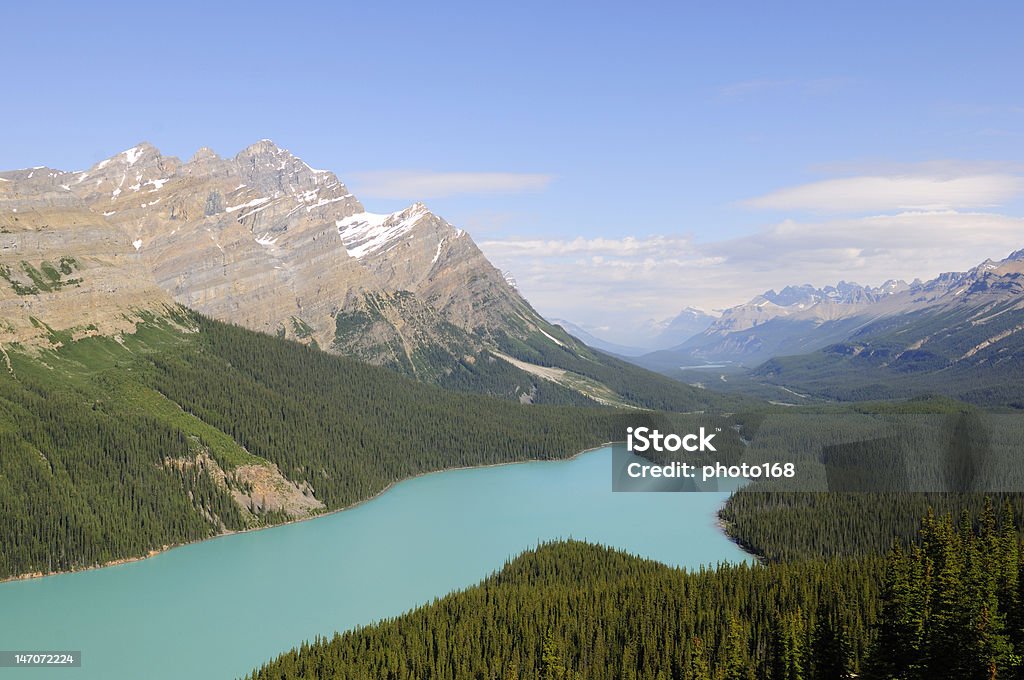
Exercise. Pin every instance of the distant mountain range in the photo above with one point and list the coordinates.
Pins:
(957, 334)
(264, 241)
(798, 318)
(961, 334)
(653, 335)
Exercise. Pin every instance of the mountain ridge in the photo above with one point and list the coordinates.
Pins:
(802, 318)
(263, 240)
(959, 334)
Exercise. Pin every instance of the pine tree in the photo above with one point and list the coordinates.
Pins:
(1008, 580)
(736, 665)
(552, 665)
(830, 653)
(699, 668)
(901, 623)
(787, 650)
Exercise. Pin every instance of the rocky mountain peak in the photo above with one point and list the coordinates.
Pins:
(261, 148)
(142, 155)
(367, 233)
(140, 168)
(204, 154)
(263, 240)
(270, 169)
(791, 295)
(844, 292)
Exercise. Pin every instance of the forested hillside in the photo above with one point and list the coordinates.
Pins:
(574, 610)
(113, 448)
(788, 526)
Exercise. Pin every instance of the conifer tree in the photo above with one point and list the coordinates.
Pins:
(830, 655)
(699, 668)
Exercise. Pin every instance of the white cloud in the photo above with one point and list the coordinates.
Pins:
(412, 185)
(586, 246)
(624, 282)
(895, 192)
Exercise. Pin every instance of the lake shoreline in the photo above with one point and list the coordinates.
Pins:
(158, 551)
(723, 526)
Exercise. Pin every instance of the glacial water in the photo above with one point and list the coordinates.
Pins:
(218, 609)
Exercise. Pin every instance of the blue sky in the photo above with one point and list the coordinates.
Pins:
(635, 158)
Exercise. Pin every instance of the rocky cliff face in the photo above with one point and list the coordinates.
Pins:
(261, 240)
(64, 270)
(249, 239)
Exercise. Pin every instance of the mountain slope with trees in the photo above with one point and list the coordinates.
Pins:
(112, 448)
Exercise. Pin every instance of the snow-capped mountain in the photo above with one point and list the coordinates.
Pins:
(263, 240)
(960, 334)
(804, 303)
(800, 319)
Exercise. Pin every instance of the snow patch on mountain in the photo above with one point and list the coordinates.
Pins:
(365, 233)
(552, 338)
(133, 154)
(437, 254)
(251, 204)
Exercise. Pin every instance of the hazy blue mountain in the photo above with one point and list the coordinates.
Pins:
(647, 337)
(592, 340)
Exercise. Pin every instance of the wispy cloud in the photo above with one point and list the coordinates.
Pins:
(623, 282)
(414, 185)
(591, 247)
(895, 192)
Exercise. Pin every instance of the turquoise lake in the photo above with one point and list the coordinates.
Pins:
(218, 609)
